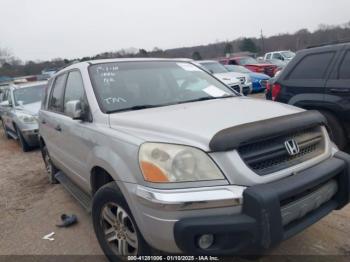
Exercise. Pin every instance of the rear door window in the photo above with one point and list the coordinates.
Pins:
(344, 70)
(313, 66)
(56, 99)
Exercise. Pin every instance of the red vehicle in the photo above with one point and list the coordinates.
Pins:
(251, 64)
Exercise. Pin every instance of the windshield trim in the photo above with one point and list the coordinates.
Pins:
(98, 98)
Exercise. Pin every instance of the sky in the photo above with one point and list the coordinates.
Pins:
(48, 29)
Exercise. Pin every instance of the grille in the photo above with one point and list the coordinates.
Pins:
(246, 90)
(270, 155)
(236, 88)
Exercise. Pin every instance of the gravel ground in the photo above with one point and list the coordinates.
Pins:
(30, 208)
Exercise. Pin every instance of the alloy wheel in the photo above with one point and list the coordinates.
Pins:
(119, 230)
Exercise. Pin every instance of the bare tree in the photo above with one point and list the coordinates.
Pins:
(5, 56)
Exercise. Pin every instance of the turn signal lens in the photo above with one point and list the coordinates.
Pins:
(152, 173)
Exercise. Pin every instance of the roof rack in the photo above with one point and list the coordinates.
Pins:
(344, 41)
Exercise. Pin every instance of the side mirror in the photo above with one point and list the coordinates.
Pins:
(73, 109)
(211, 71)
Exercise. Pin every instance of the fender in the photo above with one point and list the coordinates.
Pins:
(104, 157)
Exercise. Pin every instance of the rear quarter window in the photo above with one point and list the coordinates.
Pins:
(313, 66)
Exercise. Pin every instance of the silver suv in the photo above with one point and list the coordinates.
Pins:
(151, 148)
(19, 110)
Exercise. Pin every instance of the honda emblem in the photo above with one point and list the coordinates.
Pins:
(292, 147)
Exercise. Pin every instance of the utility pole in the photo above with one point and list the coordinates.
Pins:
(262, 41)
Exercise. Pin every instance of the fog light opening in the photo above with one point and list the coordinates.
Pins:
(205, 241)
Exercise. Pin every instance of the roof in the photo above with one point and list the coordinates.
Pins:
(116, 60)
(345, 42)
(28, 84)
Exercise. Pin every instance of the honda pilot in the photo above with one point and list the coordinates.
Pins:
(148, 147)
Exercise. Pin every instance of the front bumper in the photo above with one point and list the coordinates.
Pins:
(31, 136)
(260, 224)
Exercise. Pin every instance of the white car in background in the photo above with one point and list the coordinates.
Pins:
(284, 56)
(219, 71)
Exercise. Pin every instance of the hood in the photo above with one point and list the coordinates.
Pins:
(195, 123)
(32, 108)
(228, 78)
(258, 76)
(261, 65)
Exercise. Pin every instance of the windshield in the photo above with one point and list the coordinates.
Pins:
(239, 69)
(247, 61)
(28, 95)
(214, 67)
(125, 86)
(288, 54)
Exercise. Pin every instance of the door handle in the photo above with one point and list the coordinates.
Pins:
(340, 90)
(58, 128)
(43, 121)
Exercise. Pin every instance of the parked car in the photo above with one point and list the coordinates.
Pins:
(19, 113)
(285, 56)
(256, 78)
(219, 71)
(250, 63)
(167, 156)
(319, 78)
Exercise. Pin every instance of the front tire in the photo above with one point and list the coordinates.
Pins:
(5, 129)
(23, 143)
(337, 132)
(114, 225)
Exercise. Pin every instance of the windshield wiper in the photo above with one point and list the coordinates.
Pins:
(205, 98)
(139, 107)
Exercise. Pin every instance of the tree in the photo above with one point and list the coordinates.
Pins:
(5, 56)
(248, 44)
(228, 49)
(143, 53)
(196, 55)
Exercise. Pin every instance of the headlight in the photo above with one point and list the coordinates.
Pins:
(163, 163)
(26, 118)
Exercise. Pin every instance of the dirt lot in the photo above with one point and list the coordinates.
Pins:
(30, 208)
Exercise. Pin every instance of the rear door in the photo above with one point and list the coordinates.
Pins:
(338, 85)
(305, 77)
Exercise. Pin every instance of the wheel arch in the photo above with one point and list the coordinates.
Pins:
(98, 178)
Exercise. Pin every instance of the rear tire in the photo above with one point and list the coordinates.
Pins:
(337, 133)
(50, 167)
(115, 226)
